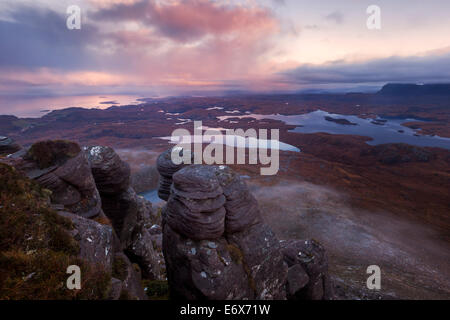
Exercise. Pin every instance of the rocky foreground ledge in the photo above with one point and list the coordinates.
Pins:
(209, 240)
(115, 230)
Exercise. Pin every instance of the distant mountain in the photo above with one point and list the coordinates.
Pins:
(406, 89)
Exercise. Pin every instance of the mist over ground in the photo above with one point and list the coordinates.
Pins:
(413, 258)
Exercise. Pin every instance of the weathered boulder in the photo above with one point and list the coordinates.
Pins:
(61, 167)
(204, 269)
(100, 246)
(96, 241)
(166, 169)
(128, 213)
(260, 250)
(111, 174)
(196, 205)
(130, 279)
(297, 279)
(241, 207)
(312, 258)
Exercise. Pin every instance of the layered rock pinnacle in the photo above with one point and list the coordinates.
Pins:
(128, 212)
(166, 169)
(217, 246)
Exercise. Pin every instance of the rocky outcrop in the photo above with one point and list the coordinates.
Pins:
(166, 169)
(204, 258)
(214, 240)
(217, 246)
(83, 183)
(196, 205)
(241, 207)
(112, 175)
(100, 246)
(308, 277)
(61, 167)
(96, 241)
(129, 213)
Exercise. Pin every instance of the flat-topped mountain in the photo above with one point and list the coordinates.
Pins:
(408, 89)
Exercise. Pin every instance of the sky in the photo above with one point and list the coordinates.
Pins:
(172, 47)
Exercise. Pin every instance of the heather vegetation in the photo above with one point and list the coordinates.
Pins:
(51, 152)
(36, 247)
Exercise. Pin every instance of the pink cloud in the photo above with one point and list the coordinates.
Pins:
(191, 20)
(188, 20)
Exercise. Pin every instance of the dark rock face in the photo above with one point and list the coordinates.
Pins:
(309, 256)
(204, 258)
(75, 177)
(204, 269)
(241, 207)
(297, 279)
(130, 287)
(216, 245)
(263, 260)
(112, 175)
(129, 213)
(99, 245)
(166, 169)
(8, 146)
(196, 205)
(96, 240)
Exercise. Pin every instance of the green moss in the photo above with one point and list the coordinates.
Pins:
(159, 214)
(235, 253)
(136, 268)
(120, 268)
(156, 289)
(35, 247)
(51, 152)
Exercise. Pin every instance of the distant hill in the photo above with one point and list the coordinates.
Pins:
(399, 89)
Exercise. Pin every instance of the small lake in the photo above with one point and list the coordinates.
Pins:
(231, 140)
(152, 196)
(387, 130)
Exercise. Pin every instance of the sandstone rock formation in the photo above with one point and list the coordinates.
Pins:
(217, 246)
(38, 243)
(196, 205)
(99, 245)
(214, 240)
(308, 276)
(203, 259)
(166, 169)
(61, 167)
(129, 213)
(83, 183)
(241, 207)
